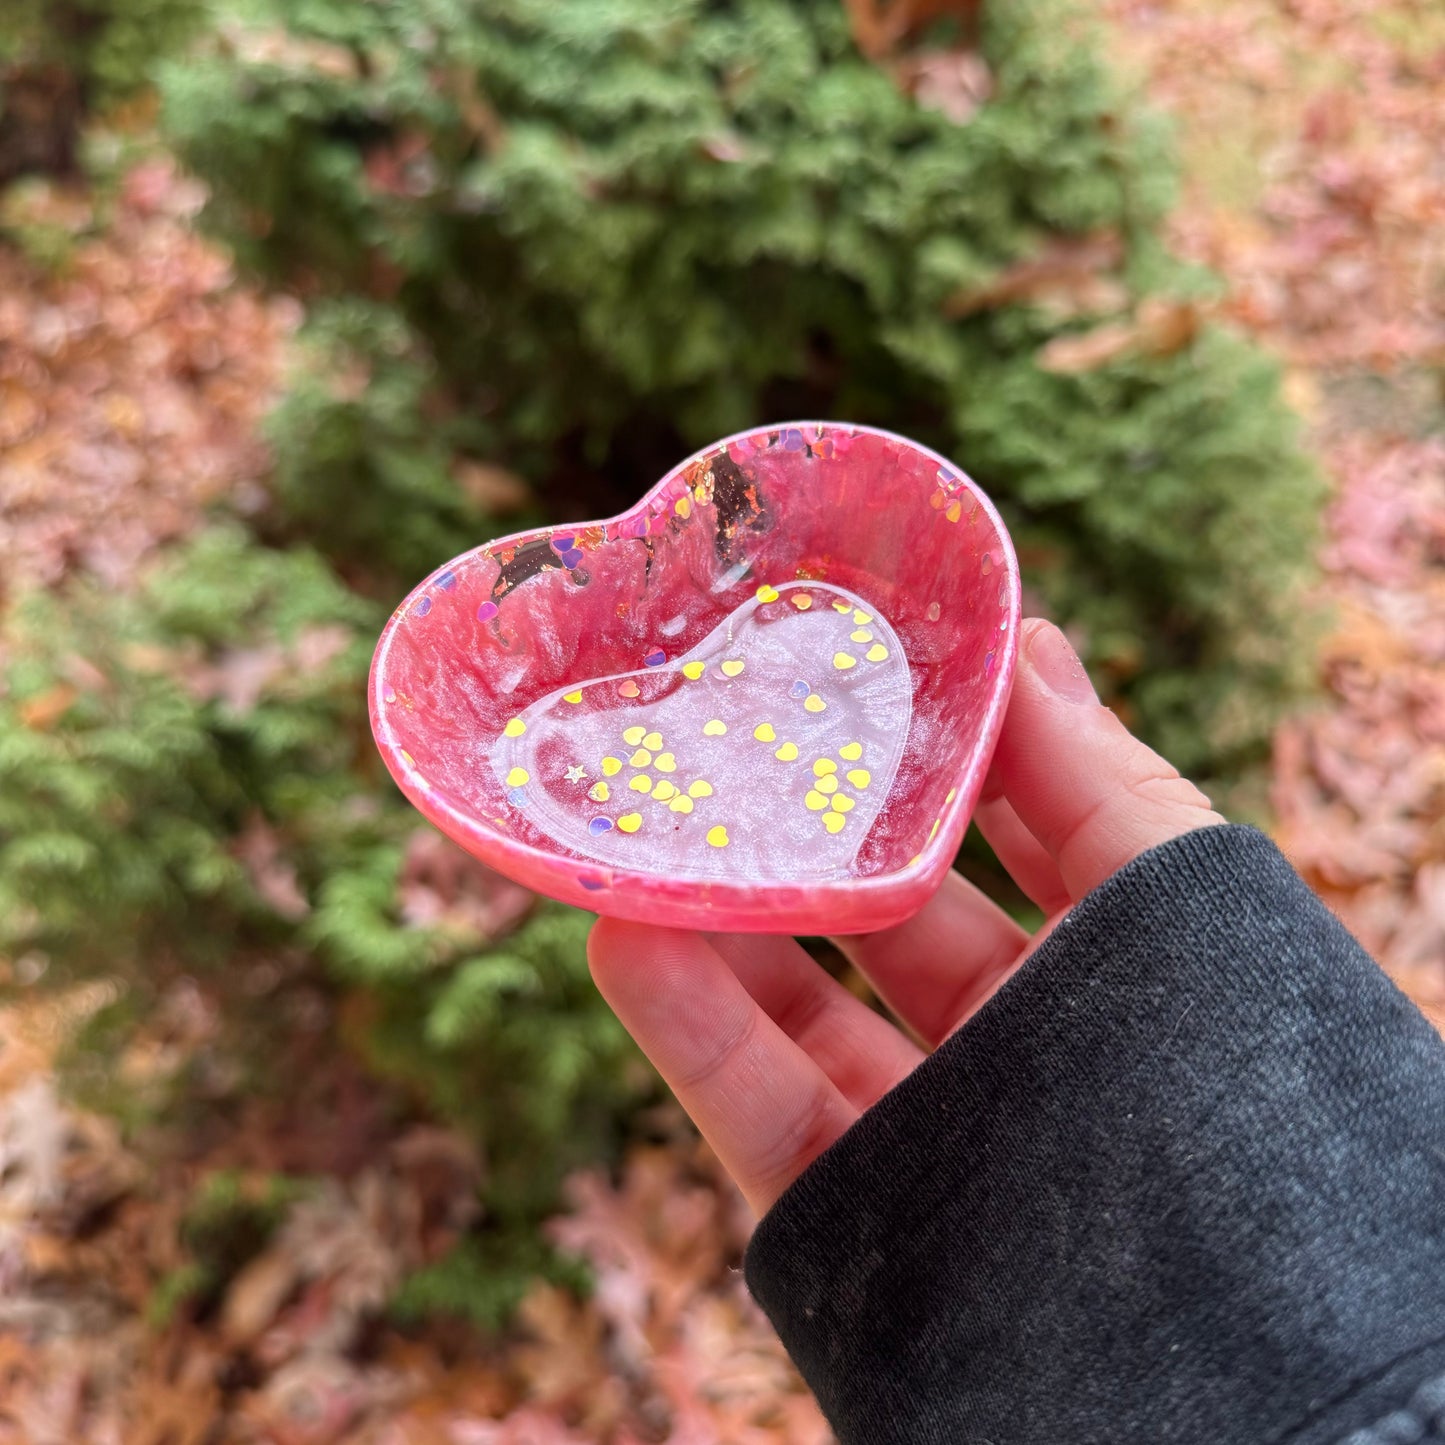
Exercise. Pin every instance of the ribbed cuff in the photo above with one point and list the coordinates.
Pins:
(1182, 1178)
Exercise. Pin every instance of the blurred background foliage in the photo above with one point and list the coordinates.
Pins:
(582, 239)
(543, 249)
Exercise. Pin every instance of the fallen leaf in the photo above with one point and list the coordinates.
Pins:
(34, 1133)
(1159, 327)
(494, 489)
(255, 1296)
(316, 1400)
(442, 886)
(953, 82)
(283, 50)
(166, 1411)
(259, 849)
(524, 1427)
(1070, 275)
(443, 1176)
(41, 712)
(881, 26)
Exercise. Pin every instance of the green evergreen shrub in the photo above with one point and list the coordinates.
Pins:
(482, 1280)
(598, 233)
(109, 46)
(147, 741)
(359, 421)
(61, 60)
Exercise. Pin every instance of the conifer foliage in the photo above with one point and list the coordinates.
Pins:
(594, 234)
(188, 789)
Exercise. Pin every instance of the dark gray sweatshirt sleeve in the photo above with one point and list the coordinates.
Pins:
(1181, 1179)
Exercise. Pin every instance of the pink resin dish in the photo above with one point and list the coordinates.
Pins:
(763, 699)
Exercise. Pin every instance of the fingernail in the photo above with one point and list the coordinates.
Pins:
(1057, 665)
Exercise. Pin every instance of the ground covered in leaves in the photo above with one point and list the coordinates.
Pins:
(132, 378)
(1311, 133)
(132, 382)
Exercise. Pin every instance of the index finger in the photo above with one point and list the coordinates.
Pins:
(1091, 793)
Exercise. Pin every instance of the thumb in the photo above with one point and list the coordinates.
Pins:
(1091, 793)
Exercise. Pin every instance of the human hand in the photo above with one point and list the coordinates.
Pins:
(774, 1059)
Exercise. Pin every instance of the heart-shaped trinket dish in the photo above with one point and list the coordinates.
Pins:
(762, 699)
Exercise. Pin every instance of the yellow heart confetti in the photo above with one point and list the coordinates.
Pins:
(641, 758)
(681, 804)
(515, 728)
(814, 703)
(824, 765)
(611, 766)
(801, 601)
(630, 822)
(952, 794)
(641, 784)
(599, 792)
(653, 741)
(933, 832)
(732, 667)
(815, 801)
(876, 653)
(714, 729)
(633, 736)
(573, 697)
(787, 753)
(764, 733)
(842, 607)
(767, 594)
(663, 791)
(828, 784)
(665, 763)
(517, 777)
(861, 617)
(700, 789)
(859, 777)
(694, 670)
(833, 822)
(851, 751)
(842, 803)
(844, 660)
(718, 836)
(861, 634)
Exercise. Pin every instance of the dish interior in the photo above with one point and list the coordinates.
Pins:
(777, 668)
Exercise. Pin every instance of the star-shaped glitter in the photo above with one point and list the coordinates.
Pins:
(576, 773)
